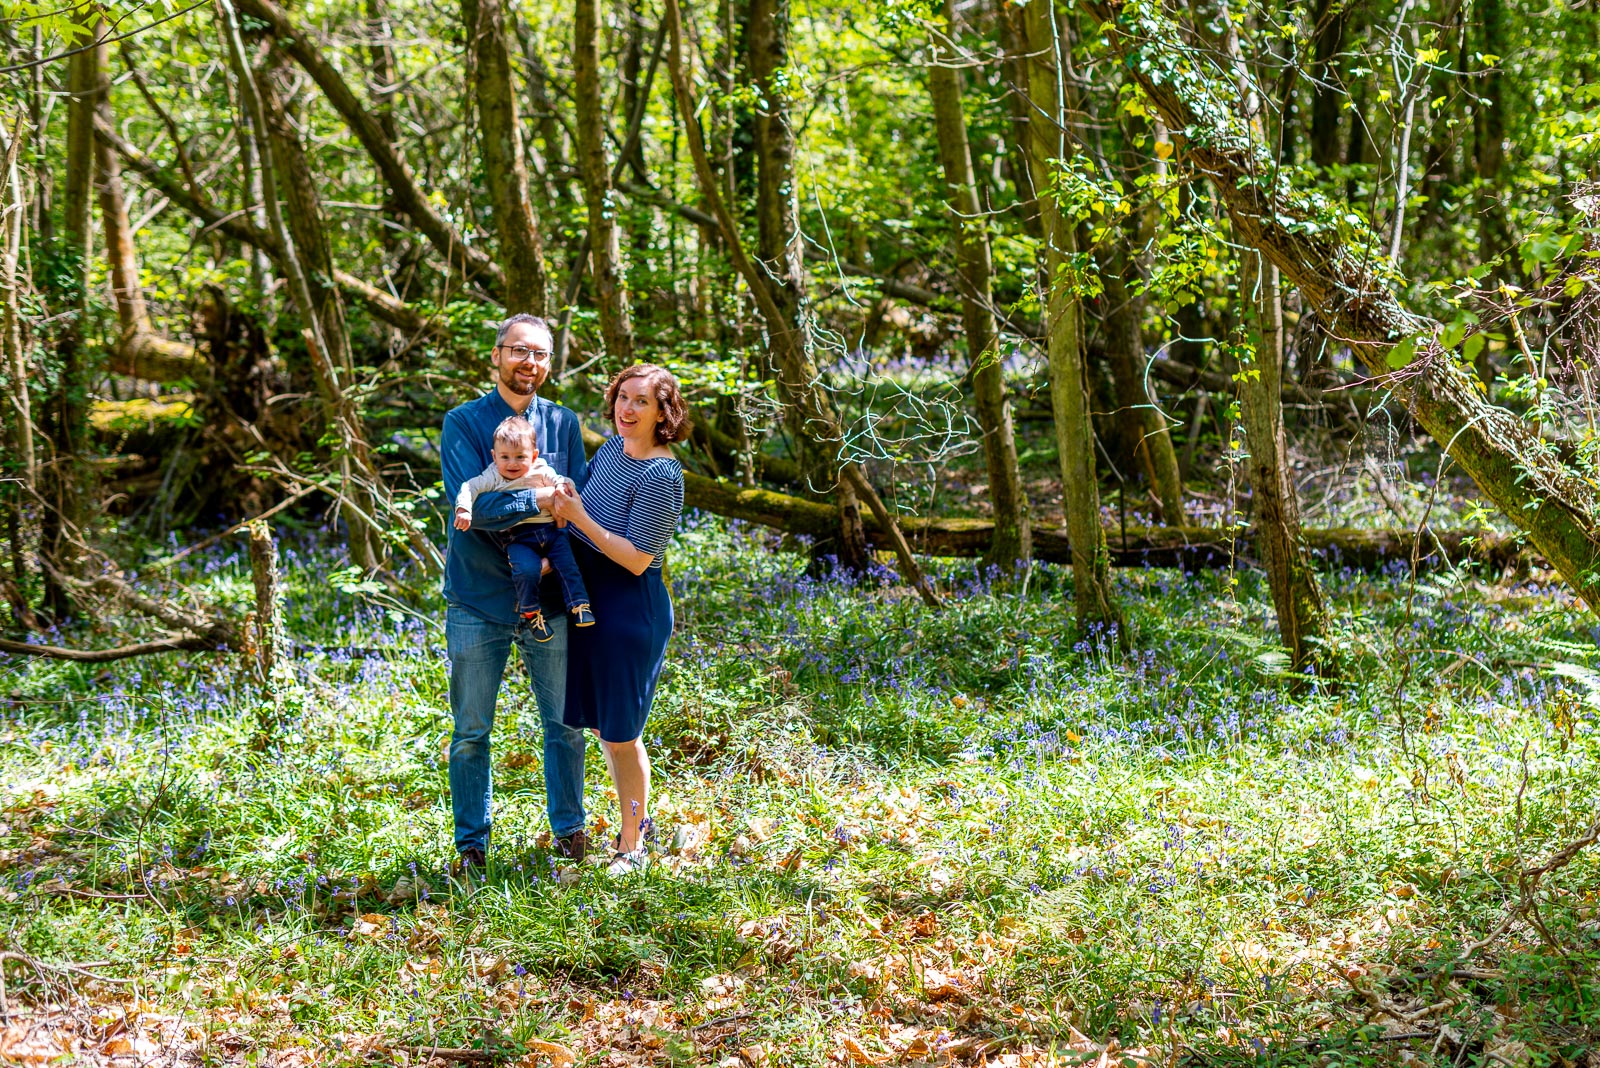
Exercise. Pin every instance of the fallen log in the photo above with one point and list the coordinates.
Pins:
(1185, 547)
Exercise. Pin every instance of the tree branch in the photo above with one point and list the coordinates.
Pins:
(1345, 278)
(102, 656)
(468, 262)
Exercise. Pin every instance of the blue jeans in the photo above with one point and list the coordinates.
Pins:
(478, 650)
(528, 546)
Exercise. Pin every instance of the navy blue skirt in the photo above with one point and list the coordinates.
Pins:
(613, 666)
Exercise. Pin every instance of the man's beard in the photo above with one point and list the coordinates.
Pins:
(521, 387)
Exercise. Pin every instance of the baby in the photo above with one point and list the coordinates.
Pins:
(535, 539)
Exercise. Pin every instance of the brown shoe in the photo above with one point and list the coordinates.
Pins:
(573, 846)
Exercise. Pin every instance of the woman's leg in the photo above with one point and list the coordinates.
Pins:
(630, 773)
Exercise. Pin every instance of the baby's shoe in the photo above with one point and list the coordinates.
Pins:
(537, 626)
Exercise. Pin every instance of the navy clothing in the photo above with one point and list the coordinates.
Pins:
(640, 500)
(477, 575)
(528, 546)
(613, 666)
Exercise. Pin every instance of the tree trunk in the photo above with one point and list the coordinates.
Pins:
(1327, 102)
(1489, 131)
(505, 168)
(307, 261)
(1302, 618)
(1124, 272)
(1521, 475)
(605, 246)
(1184, 547)
(635, 92)
(551, 133)
(1012, 543)
(798, 376)
(1093, 597)
(326, 333)
(1140, 423)
(18, 418)
(808, 411)
(138, 350)
(64, 482)
(13, 357)
(1011, 24)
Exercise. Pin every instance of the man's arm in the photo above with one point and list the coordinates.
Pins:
(460, 460)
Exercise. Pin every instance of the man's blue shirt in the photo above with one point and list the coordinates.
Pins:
(476, 574)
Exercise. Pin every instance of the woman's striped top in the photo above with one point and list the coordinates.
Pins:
(640, 500)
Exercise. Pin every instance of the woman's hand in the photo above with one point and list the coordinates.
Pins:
(565, 504)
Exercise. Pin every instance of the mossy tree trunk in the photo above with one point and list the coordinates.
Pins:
(808, 410)
(139, 350)
(1302, 615)
(1048, 141)
(1013, 543)
(505, 167)
(605, 246)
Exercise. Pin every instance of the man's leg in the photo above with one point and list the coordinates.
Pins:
(478, 651)
(563, 745)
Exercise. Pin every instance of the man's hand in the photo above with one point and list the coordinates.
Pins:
(463, 519)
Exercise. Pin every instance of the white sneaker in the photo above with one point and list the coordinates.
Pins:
(628, 863)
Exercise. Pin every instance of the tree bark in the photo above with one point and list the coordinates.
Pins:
(1327, 101)
(1489, 131)
(1302, 617)
(18, 419)
(1011, 24)
(1520, 474)
(65, 478)
(605, 246)
(307, 261)
(798, 375)
(1185, 547)
(1140, 423)
(13, 207)
(1012, 543)
(139, 351)
(808, 411)
(1048, 140)
(466, 261)
(505, 168)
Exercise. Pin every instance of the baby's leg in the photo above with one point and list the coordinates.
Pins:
(559, 552)
(526, 563)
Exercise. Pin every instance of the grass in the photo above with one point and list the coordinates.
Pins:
(886, 834)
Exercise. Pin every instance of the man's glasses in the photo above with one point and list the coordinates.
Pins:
(522, 353)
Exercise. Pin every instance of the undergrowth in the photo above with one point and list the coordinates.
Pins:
(884, 832)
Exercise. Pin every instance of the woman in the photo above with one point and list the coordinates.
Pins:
(620, 527)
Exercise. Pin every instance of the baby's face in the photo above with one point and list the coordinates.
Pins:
(513, 461)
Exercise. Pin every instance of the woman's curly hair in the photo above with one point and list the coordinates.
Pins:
(674, 425)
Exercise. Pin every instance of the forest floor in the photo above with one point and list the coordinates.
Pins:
(886, 835)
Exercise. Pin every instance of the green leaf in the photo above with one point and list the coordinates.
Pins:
(1473, 346)
(1402, 354)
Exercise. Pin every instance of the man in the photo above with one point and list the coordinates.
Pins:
(482, 623)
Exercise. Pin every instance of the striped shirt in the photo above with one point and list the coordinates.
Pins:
(640, 500)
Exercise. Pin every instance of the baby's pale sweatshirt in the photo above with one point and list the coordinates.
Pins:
(539, 474)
